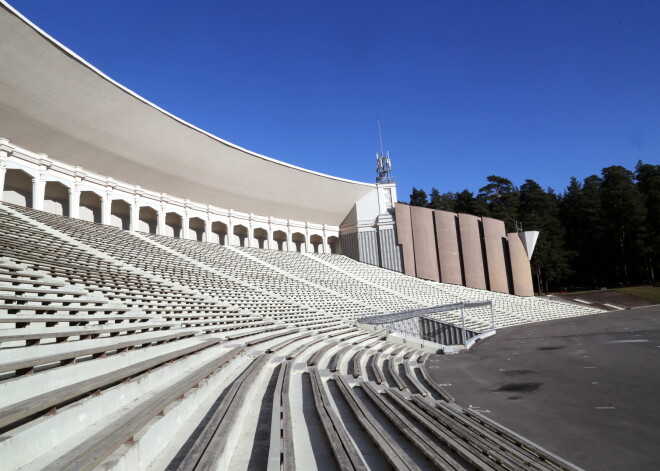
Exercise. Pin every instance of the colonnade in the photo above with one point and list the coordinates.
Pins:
(36, 181)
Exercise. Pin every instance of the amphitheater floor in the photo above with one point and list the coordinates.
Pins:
(586, 388)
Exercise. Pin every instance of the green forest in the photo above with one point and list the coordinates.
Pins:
(603, 231)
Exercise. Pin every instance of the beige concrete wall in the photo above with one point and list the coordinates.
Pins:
(426, 256)
(494, 233)
(447, 246)
(462, 249)
(473, 262)
(405, 238)
(521, 271)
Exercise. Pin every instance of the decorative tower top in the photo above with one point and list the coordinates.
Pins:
(383, 162)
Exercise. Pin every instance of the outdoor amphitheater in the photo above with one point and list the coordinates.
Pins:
(258, 315)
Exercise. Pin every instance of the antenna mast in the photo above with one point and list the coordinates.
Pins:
(383, 162)
(380, 136)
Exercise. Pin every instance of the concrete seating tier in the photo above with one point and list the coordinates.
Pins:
(154, 260)
(509, 310)
(253, 271)
(311, 270)
(51, 254)
(126, 351)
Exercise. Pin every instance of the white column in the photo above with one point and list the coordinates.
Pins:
(74, 202)
(250, 236)
(324, 243)
(135, 215)
(3, 171)
(3, 166)
(185, 225)
(106, 209)
(269, 242)
(161, 221)
(38, 189)
(308, 243)
(230, 232)
(208, 226)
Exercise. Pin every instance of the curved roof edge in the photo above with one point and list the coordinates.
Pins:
(75, 56)
(53, 101)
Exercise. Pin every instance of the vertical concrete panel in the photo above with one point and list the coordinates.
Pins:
(368, 247)
(349, 245)
(521, 271)
(494, 232)
(389, 251)
(405, 237)
(426, 256)
(473, 261)
(447, 246)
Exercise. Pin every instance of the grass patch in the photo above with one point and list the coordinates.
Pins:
(650, 293)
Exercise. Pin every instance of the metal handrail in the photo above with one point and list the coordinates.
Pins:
(390, 319)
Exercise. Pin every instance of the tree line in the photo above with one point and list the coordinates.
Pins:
(601, 231)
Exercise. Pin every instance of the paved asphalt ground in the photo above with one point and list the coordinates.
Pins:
(586, 388)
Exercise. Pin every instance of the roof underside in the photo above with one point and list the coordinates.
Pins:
(52, 101)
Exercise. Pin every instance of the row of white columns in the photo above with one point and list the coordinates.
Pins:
(38, 196)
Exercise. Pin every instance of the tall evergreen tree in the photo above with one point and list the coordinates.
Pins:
(539, 211)
(625, 215)
(443, 201)
(583, 221)
(467, 203)
(418, 197)
(648, 183)
(502, 199)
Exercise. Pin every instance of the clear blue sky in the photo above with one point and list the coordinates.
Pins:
(464, 89)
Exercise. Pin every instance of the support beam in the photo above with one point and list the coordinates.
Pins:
(38, 191)
(3, 171)
(74, 202)
(269, 241)
(185, 225)
(106, 208)
(135, 215)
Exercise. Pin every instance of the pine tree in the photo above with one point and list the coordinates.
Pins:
(583, 221)
(539, 211)
(443, 201)
(648, 184)
(625, 215)
(418, 198)
(468, 204)
(502, 199)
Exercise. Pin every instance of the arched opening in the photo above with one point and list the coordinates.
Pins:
(148, 220)
(333, 243)
(317, 243)
(218, 233)
(90, 206)
(196, 228)
(240, 235)
(56, 198)
(173, 225)
(120, 214)
(260, 238)
(298, 240)
(279, 239)
(18, 188)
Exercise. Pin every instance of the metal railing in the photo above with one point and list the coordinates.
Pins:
(427, 323)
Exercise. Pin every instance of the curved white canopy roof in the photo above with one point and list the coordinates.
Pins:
(54, 102)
